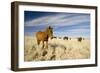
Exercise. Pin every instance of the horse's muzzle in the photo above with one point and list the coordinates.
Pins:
(51, 38)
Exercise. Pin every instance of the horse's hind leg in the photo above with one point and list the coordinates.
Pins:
(43, 44)
(38, 42)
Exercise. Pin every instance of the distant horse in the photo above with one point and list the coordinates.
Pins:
(43, 36)
(54, 37)
(65, 38)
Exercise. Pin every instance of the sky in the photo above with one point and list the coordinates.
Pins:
(63, 24)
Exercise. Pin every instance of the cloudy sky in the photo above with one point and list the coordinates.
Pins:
(64, 24)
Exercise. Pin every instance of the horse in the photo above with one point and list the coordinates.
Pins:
(43, 36)
(65, 38)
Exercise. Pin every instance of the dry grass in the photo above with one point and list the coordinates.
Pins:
(58, 49)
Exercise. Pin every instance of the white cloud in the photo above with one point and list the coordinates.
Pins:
(74, 33)
(78, 30)
(58, 19)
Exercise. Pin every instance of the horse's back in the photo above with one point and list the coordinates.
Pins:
(41, 35)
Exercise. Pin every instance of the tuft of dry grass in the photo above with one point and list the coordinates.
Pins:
(58, 49)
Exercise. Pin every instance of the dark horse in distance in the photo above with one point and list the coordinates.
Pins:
(43, 36)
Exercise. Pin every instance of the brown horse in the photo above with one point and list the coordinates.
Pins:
(43, 36)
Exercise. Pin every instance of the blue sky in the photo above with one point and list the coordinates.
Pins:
(64, 24)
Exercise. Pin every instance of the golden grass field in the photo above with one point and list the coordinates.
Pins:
(58, 49)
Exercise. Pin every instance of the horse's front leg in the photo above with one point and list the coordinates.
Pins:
(42, 44)
(46, 44)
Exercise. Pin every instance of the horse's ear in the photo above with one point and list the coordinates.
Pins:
(50, 27)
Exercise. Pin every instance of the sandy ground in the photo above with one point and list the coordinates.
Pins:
(58, 49)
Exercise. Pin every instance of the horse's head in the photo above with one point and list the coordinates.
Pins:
(50, 32)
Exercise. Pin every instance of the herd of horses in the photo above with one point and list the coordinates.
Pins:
(43, 36)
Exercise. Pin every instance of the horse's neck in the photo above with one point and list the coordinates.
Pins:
(46, 32)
